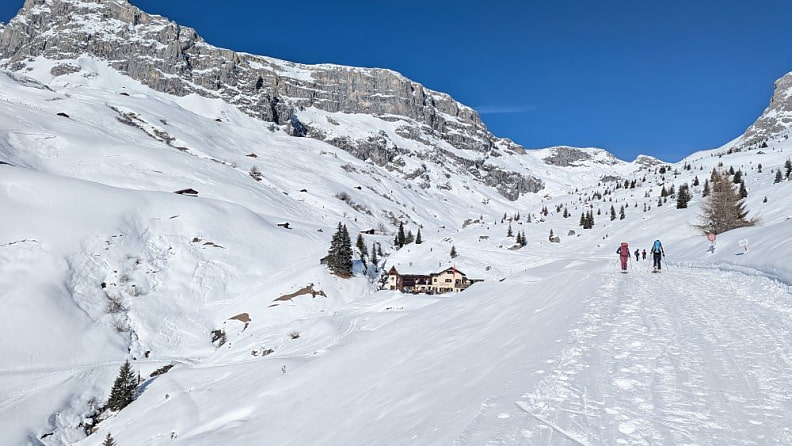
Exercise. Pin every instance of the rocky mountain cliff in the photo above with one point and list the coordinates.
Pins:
(775, 121)
(174, 59)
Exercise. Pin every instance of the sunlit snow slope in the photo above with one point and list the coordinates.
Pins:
(100, 261)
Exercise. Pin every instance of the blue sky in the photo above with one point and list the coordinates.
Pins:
(663, 78)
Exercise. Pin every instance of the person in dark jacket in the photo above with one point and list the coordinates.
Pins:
(644, 254)
(637, 255)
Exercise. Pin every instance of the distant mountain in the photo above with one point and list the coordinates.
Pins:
(174, 59)
(775, 122)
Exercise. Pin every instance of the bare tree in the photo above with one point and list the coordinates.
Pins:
(724, 209)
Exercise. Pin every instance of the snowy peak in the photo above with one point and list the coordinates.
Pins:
(173, 59)
(774, 123)
(564, 156)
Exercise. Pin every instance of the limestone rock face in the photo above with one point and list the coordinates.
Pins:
(775, 121)
(174, 59)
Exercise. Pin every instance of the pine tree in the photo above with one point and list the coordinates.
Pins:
(124, 388)
(374, 258)
(778, 176)
(706, 191)
(523, 241)
(453, 252)
(519, 238)
(582, 219)
(737, 178)
(410, 238)
(612, 213)
(724, 209)
(683, 197)
(109, 441)
(759, 168)
(622, 216)
(788, 167)
(418, 238)
(695, 181)
(551, 234)
(509, 232)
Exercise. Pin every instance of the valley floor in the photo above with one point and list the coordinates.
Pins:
(686, 357)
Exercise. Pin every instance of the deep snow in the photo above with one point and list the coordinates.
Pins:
(100, 261)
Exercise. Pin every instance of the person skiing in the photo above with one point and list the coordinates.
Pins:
(644, 254)
(657, 254)
(624, 255)
(637, 254)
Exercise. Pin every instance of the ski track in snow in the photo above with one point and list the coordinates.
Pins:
(654, 362)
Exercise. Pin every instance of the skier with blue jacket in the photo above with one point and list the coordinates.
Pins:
(657, 255)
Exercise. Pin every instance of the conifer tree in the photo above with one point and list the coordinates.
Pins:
(109, 441)
(339, 256)
(777, 177)
(361, 245)
(418, 238)
(400, 237)
(724, 209)
(612, 213)
(523, 241)
(706, 191)
(622, 216)
(124, 388)
(743, 190)
(683, 197)
(519, 238)
(737, 178)
(582, 219)
(374, 258)
(788, 167)
(453, 252)
(409, 238)
(509, 232)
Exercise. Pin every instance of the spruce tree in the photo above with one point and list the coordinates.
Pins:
(683, 197)
(724, 209)
(339, 257)
(124, 388)
(453, 252)
(374, 258)
(418, 238)
(706, 191)
(778, 176)
(361, 245)
(523, 241)
(509, 232)
(622, 216)
(788, 167)
(109, 441)
(613, 213)
(737, 178)
(743, 190)
(400, 237)
(409, 238)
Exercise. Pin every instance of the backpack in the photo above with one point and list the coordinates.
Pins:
(657, 247)
(623, 249)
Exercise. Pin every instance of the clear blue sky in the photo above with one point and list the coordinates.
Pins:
(663, 78)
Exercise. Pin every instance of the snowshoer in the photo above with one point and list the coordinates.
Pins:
(637, 254)
(644, 254)
(657, 255)
(624, 255)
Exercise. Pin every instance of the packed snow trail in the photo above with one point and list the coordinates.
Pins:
(685, 357)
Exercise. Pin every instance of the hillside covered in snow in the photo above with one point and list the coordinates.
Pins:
(182, 229)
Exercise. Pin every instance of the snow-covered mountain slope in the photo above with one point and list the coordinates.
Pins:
(100, 261)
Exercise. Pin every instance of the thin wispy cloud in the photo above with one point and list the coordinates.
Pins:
(504, 109)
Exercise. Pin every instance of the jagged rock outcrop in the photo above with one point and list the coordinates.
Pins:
(775, 121)
(179, 62)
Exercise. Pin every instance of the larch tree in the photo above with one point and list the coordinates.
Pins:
(724, 209)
